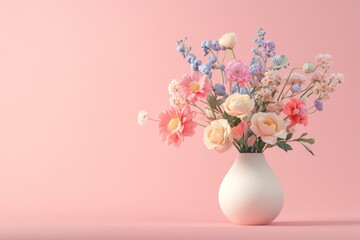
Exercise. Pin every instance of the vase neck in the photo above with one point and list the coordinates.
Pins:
(248, 159)
(250, 156)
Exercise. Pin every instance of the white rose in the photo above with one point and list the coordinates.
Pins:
(238, 105)
(142, 117)
(217, 135)
(228, 40)
(268, 126)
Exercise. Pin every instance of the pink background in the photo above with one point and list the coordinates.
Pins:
(74, 74)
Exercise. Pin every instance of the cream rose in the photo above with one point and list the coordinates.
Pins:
(217, 135)
(228, 40)
(238, 105)
(268, 126)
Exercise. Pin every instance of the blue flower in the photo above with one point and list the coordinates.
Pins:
(180, 48)
(197, 62)
(205, 51)
(213, 58)
(191, 58)
(295, 88)
(219, 89)
(235, 89)
(257, 66)
(194, 67)
(244, 91)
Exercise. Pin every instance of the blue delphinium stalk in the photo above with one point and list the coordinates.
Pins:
(208, 45)
(196, 64)
(257, 66)
(182, 48)
(258, 62)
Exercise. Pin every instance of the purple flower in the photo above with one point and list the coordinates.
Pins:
(269, 46)
(318, 105)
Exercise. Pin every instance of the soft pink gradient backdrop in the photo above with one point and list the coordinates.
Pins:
(74, 75)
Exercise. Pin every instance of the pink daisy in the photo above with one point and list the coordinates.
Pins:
(194, 87)
(176, 123)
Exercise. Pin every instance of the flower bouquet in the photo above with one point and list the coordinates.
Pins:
(252, 107)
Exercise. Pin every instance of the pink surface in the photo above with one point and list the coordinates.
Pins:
(74, 75)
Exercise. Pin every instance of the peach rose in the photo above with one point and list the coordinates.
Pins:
(268, 126)
(238, 105)
(217, 135)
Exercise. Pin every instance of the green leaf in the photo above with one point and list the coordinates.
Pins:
(307, 149)
(289, 136)
(284, 146)
(212, 101)
(220, 101)
(307, 140)
(303, 135)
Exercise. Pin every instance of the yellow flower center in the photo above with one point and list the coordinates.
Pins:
(194, 87)
(268, 122)
(173, 124)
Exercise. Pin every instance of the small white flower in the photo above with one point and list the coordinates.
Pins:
(176, 100)
(173, 87)
(296, 78)
(324, 60)
(228, 40)
(318, 76)
(142, 117)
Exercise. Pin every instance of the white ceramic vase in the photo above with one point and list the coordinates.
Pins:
(250, 193)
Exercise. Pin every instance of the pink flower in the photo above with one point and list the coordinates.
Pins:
(296, 78)
(251, 140)
(194, 87)
(297, 112)
(176, 123)
(324, 60)
(238, 131)
(236, 71)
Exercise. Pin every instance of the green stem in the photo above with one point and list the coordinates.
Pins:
(223, 57)
(236, 146)
(232, 50)
(221, 71)
(193, 104)
(287, 80)
(306, 91)
(155, 120)
(200, 124)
